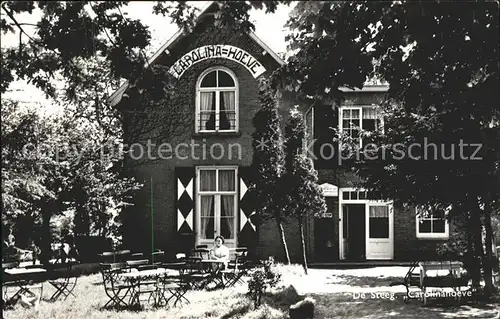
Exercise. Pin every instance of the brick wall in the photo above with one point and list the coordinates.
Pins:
(172, 121)
(406, 244)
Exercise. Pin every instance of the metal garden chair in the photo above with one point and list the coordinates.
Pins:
(116, 290)
(63, 280)
(237, 268)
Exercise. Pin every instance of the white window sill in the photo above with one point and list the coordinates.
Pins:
(433, 236)
(217, 133)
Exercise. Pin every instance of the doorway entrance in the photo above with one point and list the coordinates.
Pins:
(366, 226)
(325, 233)
(353, 224)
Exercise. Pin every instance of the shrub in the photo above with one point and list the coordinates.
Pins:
(264, 276)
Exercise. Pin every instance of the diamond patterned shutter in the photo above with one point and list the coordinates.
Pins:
(247, 230)
(185, 177)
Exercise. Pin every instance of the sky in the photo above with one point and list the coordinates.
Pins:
(268, 27)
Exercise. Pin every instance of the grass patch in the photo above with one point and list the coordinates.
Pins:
(232, 303)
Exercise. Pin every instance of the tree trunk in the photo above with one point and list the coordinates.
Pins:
(255, 244)
(302, 245)
(46, 235)
(283, 240)
(478, 241)
(471, 260)
(488, 258)
(475, 262)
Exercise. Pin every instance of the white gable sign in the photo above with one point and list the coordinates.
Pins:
(217, 51)
(329, 190)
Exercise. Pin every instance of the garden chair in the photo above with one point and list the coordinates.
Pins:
(122, 255)
(145, 286)
(116, 290)
(115, 256)
(237, 268)
(201, 247)
(411, 279)
(177, 284)
(107, 257)
(177, 289)
(135, 264)
(157, 257)
(62, 279)
(193, 273)
(180, 257)
(136, 256)
(149, 266)
(202, 252)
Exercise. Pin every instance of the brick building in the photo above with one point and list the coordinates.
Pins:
(197, 188)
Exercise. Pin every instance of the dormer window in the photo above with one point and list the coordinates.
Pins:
(217, 101)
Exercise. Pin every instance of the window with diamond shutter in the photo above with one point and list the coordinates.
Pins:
(185, 179)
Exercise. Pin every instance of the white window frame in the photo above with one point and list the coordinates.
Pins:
(217, 100)
(431, 235)
(360, 108)
(217, 199)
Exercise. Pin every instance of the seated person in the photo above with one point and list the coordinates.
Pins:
(9, 251)
(219, 251)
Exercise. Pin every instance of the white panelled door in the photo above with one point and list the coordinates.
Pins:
(379, 231)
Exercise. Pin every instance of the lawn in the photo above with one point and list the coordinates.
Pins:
(337, 294)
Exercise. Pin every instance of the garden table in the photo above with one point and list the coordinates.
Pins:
(452, 269)
(179, 266)
(23, 279)
(146, 278)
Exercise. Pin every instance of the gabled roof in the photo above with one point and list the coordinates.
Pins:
(117, 95)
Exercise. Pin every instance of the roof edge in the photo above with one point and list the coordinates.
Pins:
(115, 98)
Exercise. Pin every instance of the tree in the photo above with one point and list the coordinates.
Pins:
(267, 162)
(303, 196)
(29, 184)
(443, 86)
(47, 163)
(69, 35)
